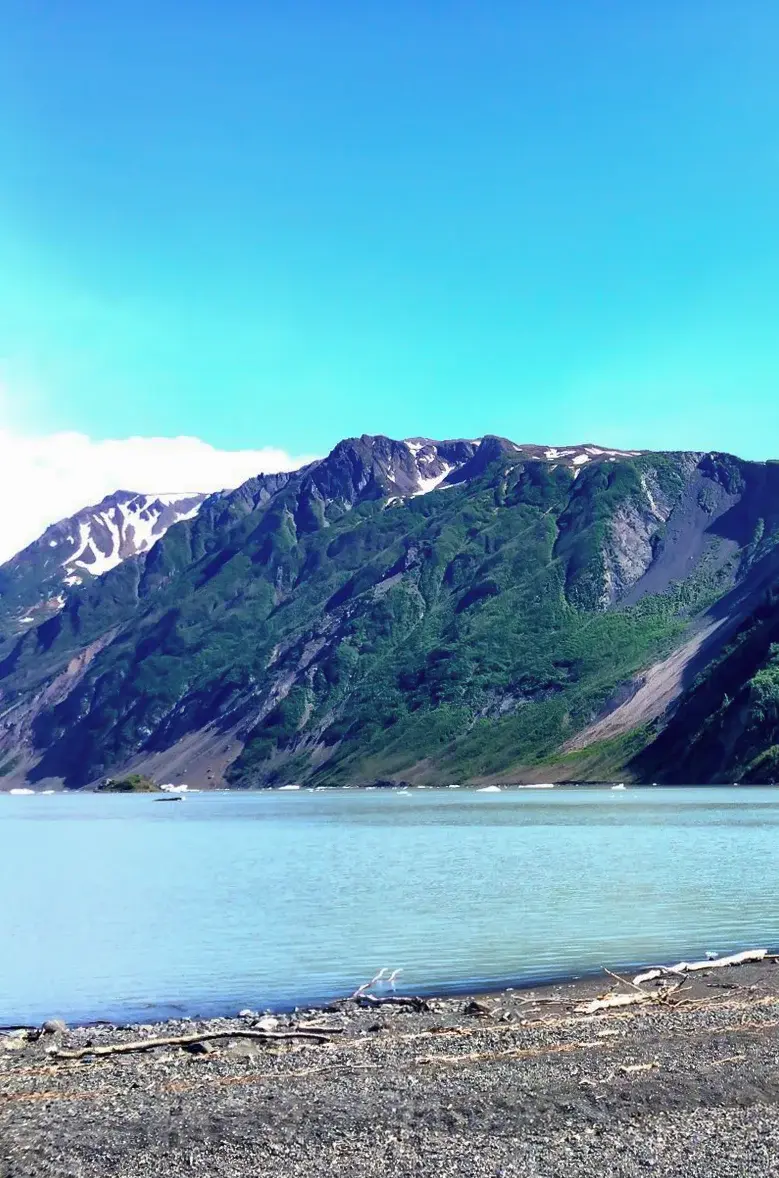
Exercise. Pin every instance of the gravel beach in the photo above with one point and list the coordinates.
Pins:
(516, 1083)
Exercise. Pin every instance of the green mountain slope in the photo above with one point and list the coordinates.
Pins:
(448, 611)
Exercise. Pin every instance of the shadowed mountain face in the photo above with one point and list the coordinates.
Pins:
(463, 610)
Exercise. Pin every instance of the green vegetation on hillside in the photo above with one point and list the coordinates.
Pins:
(347, 635)
(133, 783)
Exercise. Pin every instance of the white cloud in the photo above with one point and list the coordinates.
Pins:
(46, 478)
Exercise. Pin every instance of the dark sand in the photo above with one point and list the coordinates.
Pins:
(523, 1087)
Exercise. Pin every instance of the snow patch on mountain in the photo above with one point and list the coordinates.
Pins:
(434, 468)
(124, 525)
(88, 544)
(429, 467)
(430, 484)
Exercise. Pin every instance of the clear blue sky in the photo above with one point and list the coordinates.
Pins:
(268, 223)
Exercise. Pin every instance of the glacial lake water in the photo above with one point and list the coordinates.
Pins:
(125, 908)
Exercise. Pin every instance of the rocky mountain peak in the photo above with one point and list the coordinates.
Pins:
(88, 544)
(122, 525)
(375, 466)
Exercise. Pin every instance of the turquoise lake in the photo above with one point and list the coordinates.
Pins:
(125, 908)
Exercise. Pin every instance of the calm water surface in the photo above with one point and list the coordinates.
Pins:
(125, 908)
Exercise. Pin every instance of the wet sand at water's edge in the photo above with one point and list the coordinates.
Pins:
(516, 1083)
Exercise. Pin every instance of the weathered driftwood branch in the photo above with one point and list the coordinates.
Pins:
(363, 989)
(378, 977)
(631, 1069)
(392, 1000)
(612, 1001)
(320, 1034)
(618, 978)
(685, 967)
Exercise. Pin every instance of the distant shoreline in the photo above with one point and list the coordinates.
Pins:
(410, 788)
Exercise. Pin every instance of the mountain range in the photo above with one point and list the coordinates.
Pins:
(461, 611)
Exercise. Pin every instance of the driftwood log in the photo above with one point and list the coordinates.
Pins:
(366, 986)
(615, 1001)
(685, 967)
(392, 1000)
(390, 980)
(681, 971)
(320, 1034)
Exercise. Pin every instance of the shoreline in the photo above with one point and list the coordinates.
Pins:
(544, 984)
(396, 787)
(510, 1082)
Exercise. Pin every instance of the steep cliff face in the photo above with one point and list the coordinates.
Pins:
(432, 610)
(725, 726)
(613, 526)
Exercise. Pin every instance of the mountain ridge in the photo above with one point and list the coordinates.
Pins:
(86, 544)
(464, 609)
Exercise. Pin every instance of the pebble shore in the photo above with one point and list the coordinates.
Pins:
(509, 1084)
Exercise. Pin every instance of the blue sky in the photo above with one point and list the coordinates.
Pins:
(279, 224)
